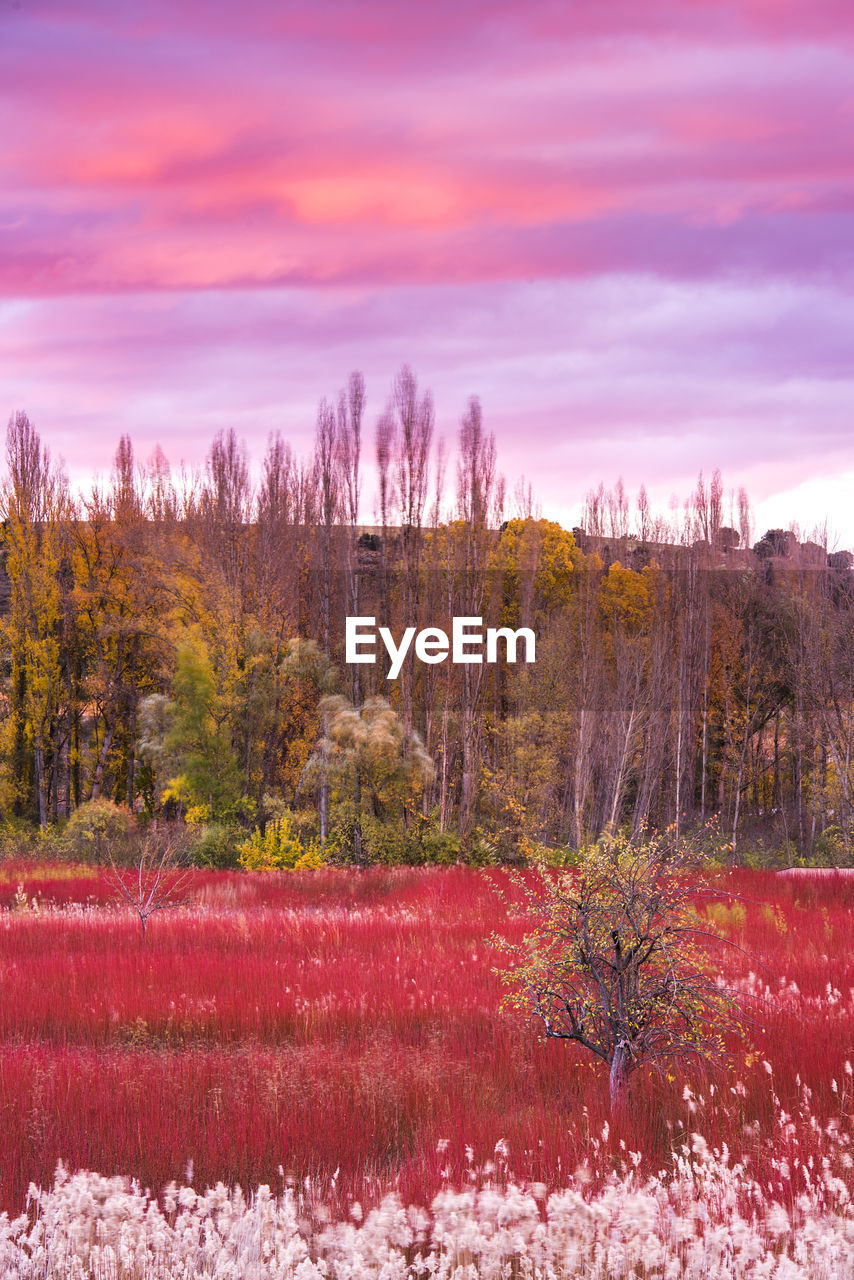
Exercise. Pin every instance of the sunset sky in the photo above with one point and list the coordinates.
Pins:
(626, 225)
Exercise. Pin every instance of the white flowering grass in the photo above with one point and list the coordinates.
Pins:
(704, 1219)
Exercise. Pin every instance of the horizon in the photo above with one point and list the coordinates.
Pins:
(667, 519)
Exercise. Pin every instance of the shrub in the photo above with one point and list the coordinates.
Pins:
(535, 853)
(483, 851)
(217, 847)
(97, 831)
(829, 849)
(387, 842)
(19, 838)
(727, 920)
(279, 848)
(442, 848)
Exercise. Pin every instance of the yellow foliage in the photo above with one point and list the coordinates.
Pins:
(197, 815)
(279, 848)
(177, 789)
(543, 555)
(626, 597)
(729, 920)
(775, 917)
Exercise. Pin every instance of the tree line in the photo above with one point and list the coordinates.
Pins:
(175, 644)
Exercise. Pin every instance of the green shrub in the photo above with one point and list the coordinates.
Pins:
(304, 823)
(388, 843)
(217, 847)
(534, 853)
(18, 838)
(829, 849)
(443, 848)
(482, 852)
(758, 856)
(383, 842)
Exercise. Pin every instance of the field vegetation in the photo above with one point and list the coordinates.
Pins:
(340, 1038)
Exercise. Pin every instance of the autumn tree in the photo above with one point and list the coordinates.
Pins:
(373, 741)
(820, 644)
(679, 673)
(617, 961)
(187, 738)
(36, 511)
(122, 606)
(537, 567)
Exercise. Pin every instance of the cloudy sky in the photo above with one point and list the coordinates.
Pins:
(627, 227)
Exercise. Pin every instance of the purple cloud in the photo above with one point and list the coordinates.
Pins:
(629, 228)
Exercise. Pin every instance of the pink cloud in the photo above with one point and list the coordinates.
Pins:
(620, 223)
(150, 165)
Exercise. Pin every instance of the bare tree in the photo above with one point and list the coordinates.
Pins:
(616, 963)
(480, 501)
(276, 558)
(644, 517)
(158, 877)
(351, 406)
(328, 487)
(414, 418)
(745, 518)
(593, 515)
(224, 510)
(618, 512)
(161, 500)
(384, 446)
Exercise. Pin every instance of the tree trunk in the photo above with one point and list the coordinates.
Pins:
(131, 758)
(41, 790)
(357, 814)
(619, 1082)
(443, 789)
(102, 762)
(324, 786)
(357, 777)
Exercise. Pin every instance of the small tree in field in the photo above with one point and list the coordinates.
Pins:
(617, 960)
(157, 877)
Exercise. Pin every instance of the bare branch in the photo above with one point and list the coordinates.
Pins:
(158, 878)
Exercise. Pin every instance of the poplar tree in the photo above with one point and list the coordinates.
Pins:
(36, 511)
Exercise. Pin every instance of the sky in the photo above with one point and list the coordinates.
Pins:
(628, 228)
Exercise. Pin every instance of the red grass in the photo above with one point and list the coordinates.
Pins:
(339, 1021)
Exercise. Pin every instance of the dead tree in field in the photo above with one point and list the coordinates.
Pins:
(617, 961)
(156, 879)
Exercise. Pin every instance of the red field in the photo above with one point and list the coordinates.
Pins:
(346, 1028)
